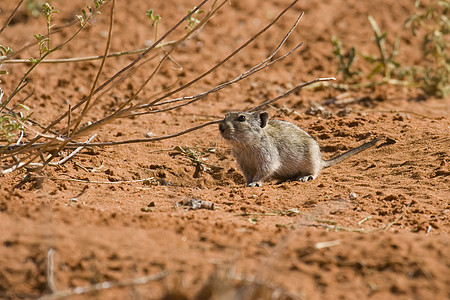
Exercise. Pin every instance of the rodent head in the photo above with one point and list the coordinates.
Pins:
(244, 127)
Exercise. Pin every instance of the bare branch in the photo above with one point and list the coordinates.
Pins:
(262, 65)
(103, 286)
(71, 145)
(73, 152)
(11, 16)
(130, 65)
(298, 87)
(50, 270)
(33, 142)
(86, 58)
(97, 182)
(195, 98)
(227, 58)
(121, 110)
(100, 69)
(251, 71)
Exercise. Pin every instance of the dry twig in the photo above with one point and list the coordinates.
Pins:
(11, 16)
(55, 294)
(398, 218)
(96, 182)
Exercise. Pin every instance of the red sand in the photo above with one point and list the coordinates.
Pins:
(258, 239)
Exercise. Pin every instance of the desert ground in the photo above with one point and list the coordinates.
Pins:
(120, 221)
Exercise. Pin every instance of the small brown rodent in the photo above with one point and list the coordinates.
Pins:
(275, 149)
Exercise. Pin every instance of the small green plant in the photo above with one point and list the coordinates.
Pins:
(385, 63)
(153, 17)
(44, 49)
(193, 19)
(345, 60)
(432, 75)
(49, 11)
(44, 41)
(5, 51)
(434, 23)
(85, 17)
(155, 20)
(12, 123)
(8, 128)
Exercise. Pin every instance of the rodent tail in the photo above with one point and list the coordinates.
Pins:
(349, 153)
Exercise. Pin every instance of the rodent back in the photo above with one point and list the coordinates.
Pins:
(299, 152)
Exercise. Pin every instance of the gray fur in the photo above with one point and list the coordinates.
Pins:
(275, 149)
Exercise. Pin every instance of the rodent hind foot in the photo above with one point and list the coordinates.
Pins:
(305, 178)
(300, 178)
(256, 183)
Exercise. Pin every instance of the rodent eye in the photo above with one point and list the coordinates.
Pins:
(241, 118)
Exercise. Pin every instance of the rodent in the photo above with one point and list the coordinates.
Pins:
(276, 149)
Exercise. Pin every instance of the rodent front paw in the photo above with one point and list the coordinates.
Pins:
(256, 183)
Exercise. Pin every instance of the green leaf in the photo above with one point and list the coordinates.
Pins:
(375, 70)
(369, 58)
(253, 220)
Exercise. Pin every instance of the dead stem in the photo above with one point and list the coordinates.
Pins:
(25, 148)
(20, 163)
(200, 96)
(146, 140)
(121, 111)
(262, 65)
(130, 65)
(50, 270)
(99, 72)
(298, 87)
(227, 58)
(11, 16)
(87, 58)
(73, 152)
(398, 218)
(95, 182)
(102, 286)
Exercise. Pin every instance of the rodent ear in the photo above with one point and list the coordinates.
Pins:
(263, 119)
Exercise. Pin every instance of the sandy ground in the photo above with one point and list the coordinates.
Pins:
(373, 227)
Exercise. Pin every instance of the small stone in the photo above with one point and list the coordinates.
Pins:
(390, 141)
